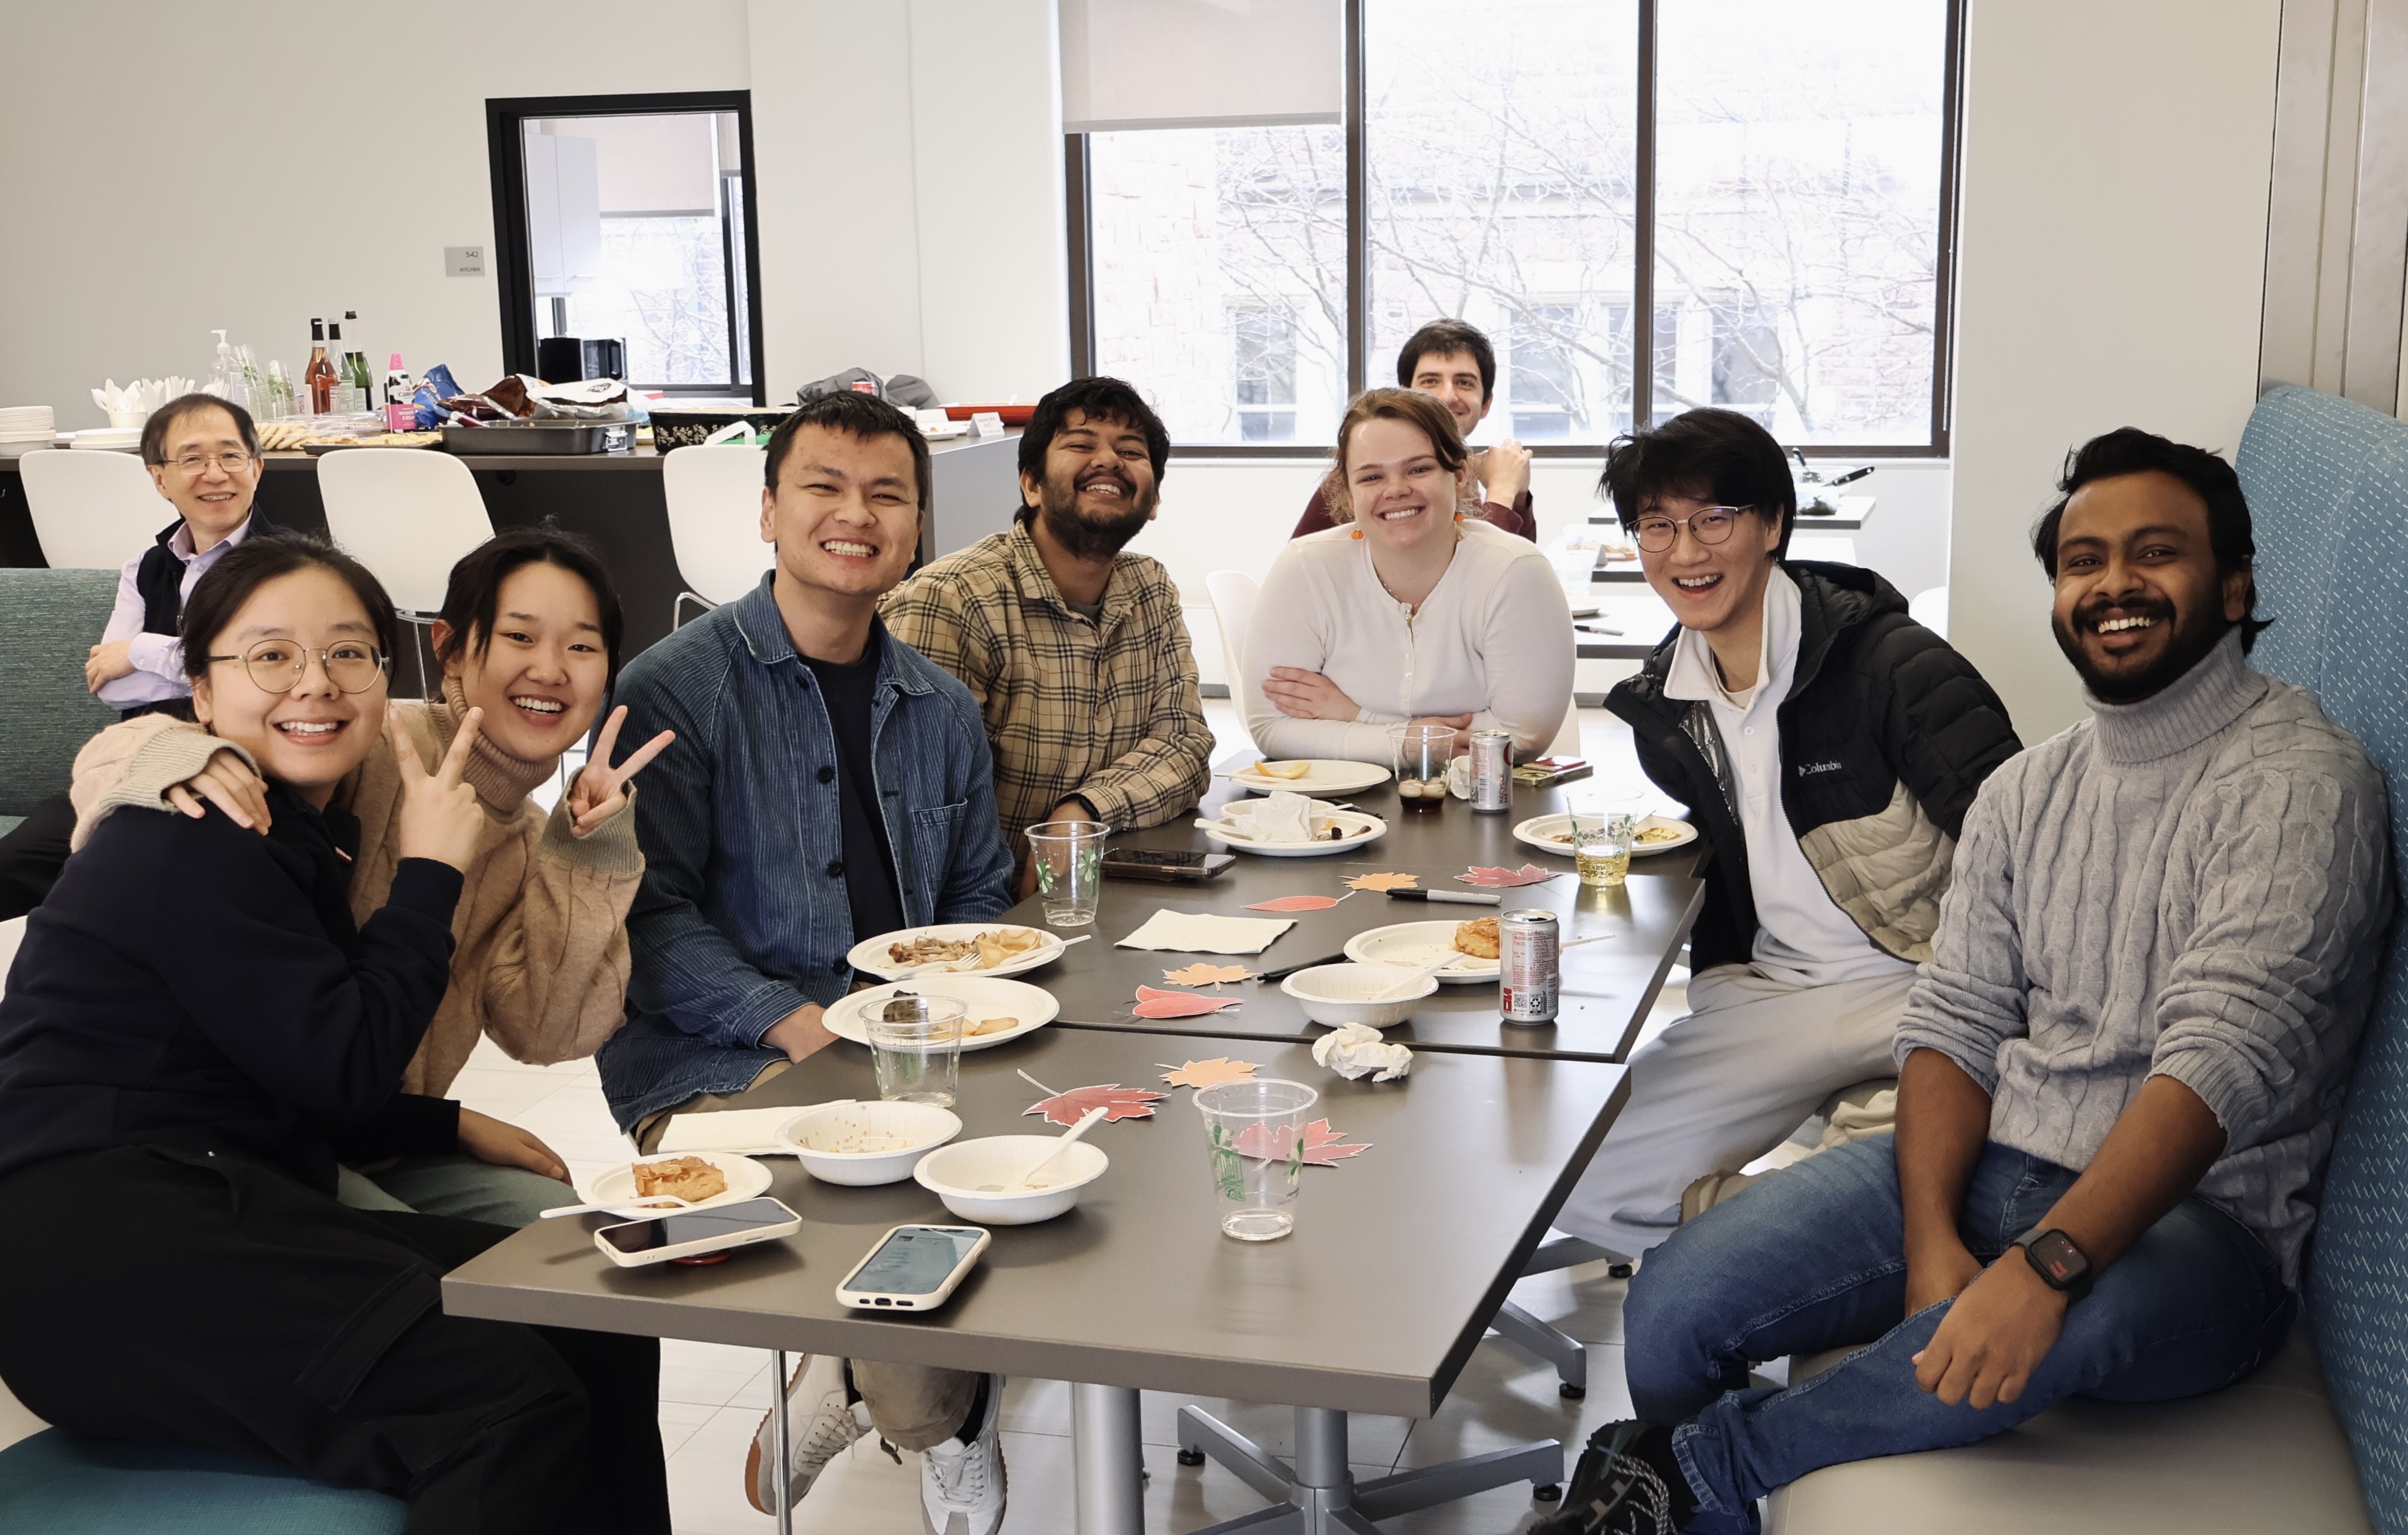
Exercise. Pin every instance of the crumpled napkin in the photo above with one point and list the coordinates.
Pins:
(1354, 1050)
(1283, 816)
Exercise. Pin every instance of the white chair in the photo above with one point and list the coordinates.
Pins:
(91, 510)
(1929, 608)
(714, 500)
(1233, 594)
(409, 516)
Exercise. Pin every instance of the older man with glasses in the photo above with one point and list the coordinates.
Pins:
(203, 456)
(1827, 747)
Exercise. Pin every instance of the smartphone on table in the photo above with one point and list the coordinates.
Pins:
(1164, 863)
(913, 1267)
(694, 1233)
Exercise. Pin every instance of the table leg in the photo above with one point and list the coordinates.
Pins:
(785, 1459)
(1105, 1447)
(1324, 1493)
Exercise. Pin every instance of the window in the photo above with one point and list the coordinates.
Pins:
(628, 219)
(1766, 184)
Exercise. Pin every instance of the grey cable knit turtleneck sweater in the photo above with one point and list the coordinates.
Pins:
(2195, 885)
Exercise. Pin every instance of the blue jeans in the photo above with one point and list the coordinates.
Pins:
(1812, 1259)
(455, 1184)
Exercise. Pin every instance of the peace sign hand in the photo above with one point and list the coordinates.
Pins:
(600, 790)
(441, 818)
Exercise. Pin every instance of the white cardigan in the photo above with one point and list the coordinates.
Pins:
(1494, 639)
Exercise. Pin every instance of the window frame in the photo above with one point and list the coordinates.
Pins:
(1077, 179)
(504, 117)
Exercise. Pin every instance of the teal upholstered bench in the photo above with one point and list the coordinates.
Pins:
(61, 1484)
(48, 621)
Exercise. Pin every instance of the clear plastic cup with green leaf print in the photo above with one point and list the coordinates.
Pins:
(1254, 1131)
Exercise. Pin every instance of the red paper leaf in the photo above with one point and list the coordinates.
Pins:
(1323, 1146)
(1382, 882)
(1500, 879)
(1154, 1002)
(1202, 974)
(1296, 903)
(1118, 1102)
(1205, 1073)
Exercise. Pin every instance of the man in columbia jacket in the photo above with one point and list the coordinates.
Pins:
(1827, 747)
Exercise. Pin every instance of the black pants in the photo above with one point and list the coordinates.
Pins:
(32, 855)
(175, 1297)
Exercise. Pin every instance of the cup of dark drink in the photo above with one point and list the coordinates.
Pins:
(1422, 752)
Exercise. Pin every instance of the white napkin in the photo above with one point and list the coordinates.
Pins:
(1354, 1050)
(1188, 933)
(1283, 816)
(752, 1132)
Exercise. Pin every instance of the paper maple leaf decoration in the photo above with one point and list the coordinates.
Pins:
(1118, 1102)
(1200, 974)
(1499, 879)
(1322, 1146)
(1205, 1073)
(1296, 903)
(1382, 882)
(1154, 1002)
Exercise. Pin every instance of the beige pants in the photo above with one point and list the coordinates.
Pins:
(915, 1407)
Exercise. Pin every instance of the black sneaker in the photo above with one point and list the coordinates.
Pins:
(1627, 1483)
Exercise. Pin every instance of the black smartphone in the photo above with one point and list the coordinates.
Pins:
(1156, 864)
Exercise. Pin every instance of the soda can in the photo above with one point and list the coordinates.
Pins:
(1528, 981)
(1492, 771)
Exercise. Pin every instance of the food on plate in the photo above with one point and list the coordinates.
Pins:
(689, 1178)
(1327, 830)
(1282, 770)
(1477, 939)
(991, 1025)
(925, 949)
(990, 948)
(1005, 942)
(1660, 832)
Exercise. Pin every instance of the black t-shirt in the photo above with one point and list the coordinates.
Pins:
(868, 867)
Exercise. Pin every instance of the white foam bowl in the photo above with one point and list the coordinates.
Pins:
(852, 1142)
(971, 1178)
(1335, 994)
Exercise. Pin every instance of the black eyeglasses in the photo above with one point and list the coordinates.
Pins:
(275, 665)
(1709, 525)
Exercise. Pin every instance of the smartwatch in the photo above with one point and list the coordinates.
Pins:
(2060, 1263)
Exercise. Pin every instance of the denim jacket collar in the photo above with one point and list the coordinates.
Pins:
(899, 667)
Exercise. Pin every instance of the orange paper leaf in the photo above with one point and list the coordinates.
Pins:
(1118, 1101)
(1205, 1073)
(1200, 974)
(1316, 1143)
(1295, 903)
(1502, 879)
(1154, 1002)
(1382, 882)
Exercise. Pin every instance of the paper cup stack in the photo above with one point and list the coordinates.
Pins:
(27, 424)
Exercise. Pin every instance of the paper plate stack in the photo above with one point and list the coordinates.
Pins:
(27, 424)
(112, 438)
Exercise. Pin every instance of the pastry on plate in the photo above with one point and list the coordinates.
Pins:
(1477, 939)
(689, 1178)
(1005, 943)
(991, 1025)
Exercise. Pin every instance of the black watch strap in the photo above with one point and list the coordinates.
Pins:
(2061, 1265)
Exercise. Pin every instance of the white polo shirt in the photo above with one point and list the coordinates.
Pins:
(1802, 937)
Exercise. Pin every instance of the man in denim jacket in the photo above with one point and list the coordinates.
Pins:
(827, 784)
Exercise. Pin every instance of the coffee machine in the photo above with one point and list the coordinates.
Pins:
(566, 359)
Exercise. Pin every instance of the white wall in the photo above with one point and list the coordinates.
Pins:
(174, 167)
(2110, 271)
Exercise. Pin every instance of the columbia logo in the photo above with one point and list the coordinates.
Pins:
(1806, 768)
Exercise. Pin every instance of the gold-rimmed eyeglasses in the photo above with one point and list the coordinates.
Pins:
(275, 665)
(1709, 525)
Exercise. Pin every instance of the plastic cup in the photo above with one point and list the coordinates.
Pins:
(1069, 858)
(915, 1044)
(1256, 1132)
(1601, 836)
(1419, 753)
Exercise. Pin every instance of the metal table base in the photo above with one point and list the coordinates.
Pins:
(1318, 1495)
(1568, 1354)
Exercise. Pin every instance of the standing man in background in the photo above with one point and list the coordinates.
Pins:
(1454, 364)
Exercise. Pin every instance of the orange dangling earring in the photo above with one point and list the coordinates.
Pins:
(1355, 533)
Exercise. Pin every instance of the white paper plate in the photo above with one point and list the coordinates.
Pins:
(1359, 829)
(746, 1180)
(1549, 834)
(1418, 943)
(869, 956)
(986, 996)
(1327, 777)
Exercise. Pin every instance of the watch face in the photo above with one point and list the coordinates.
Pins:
(2058, 1258)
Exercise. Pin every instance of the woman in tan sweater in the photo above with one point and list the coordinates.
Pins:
(529, 636)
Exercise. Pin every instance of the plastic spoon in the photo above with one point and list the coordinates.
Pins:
(1061, 1143)
(673, 1201)
(1397, 989)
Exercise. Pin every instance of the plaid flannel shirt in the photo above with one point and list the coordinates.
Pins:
(1106, 709)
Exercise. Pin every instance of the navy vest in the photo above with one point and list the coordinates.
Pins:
(159, 580)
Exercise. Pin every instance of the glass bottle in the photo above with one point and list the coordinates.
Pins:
(319, 377)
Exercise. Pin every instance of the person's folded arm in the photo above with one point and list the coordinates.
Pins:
(682, 965)
(1291, 626)
(1166, 772)
(1525, 646)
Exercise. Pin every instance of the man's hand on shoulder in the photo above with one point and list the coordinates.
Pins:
(1994, 1337)
(1505, 472)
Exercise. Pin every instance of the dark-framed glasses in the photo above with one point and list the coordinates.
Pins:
(275, 665)
(1709, 525)
(197, 464)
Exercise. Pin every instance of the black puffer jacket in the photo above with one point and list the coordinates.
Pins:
(1885, 736)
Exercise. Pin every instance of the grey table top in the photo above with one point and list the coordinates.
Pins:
(1400, 1256)
(1610, 986)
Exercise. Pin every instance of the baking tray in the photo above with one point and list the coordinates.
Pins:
(541, 436)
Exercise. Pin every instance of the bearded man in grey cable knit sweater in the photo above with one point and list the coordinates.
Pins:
(2119, 1072)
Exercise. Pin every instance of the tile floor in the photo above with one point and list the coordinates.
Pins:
(712, 1396)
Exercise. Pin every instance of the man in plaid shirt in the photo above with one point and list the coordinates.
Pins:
(1076, 652)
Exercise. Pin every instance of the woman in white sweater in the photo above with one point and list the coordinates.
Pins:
(1406, 611)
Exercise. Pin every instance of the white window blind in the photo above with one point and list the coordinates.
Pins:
(1200, 64)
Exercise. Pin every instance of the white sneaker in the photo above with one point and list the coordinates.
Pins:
(820, 1425)
(962, 1485)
